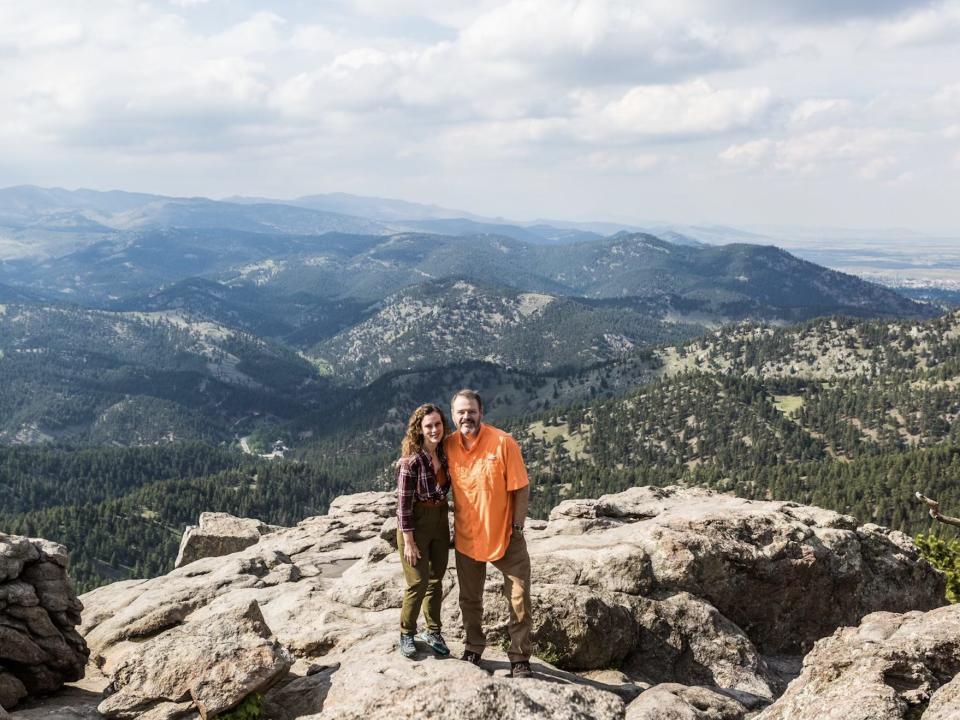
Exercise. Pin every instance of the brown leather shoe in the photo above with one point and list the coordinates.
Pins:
(520, 669)
(471, 657)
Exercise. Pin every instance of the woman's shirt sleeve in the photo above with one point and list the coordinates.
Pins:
(406, 486)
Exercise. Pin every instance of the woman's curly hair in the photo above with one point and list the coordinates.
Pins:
(413, 439)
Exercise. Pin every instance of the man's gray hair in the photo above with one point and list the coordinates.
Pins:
(470, 395)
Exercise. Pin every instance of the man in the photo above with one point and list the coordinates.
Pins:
(491, 495)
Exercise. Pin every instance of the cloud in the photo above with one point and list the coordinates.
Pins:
(607, 41)
(819, 11)
(693, 108)
(821, 110)
(604, 95)
(749, 154)
(929, 25)
(626, 162)
(869, 152)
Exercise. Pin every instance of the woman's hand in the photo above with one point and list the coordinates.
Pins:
(411, 553)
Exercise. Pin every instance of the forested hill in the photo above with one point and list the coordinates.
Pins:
(852, 415)
(122, 511)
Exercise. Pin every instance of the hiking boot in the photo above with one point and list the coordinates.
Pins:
(520, 669)
(434, 641)
(407, 647)
(471, 657)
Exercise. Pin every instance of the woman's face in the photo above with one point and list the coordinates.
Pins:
(432, 427)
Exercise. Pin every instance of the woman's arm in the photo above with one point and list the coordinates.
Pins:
(406, 486)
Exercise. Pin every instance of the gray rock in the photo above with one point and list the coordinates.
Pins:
(665, 584)
(39, 648)
(218, 534)
(388, 531)
(671, 701)
(206, 667)
(12, 690)
(890, 667)
(784, 573)
(58, 713)
(686, 640)
(945, 702)
(374, 682)
(380, 504)
(302, 696)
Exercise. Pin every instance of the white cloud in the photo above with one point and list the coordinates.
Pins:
(871, 153)
(621, 161)
(693, 108)
(607, 41)
(939, 23)
(472, 95)
(821, 110)
(750, 153)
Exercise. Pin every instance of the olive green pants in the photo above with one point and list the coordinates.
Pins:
(425, 579)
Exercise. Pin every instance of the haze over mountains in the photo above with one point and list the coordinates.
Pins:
(206, 316)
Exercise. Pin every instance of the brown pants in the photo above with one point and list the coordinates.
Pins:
(515, 566)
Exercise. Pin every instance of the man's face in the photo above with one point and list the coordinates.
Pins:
(466, 414)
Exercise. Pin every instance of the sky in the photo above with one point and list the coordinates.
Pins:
(838, 113)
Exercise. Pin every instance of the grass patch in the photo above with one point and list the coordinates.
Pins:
(788, 404)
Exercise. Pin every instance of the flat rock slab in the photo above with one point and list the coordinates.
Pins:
(671, 701)
(375, 683)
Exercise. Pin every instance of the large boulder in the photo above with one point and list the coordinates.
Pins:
(890, 667)
(784, 573)
(206, 667)
(690, 586)
(40, 648)
(218, 534)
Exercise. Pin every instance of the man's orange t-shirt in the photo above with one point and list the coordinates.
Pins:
(482, 479)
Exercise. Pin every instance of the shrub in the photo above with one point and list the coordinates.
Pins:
(943, 554)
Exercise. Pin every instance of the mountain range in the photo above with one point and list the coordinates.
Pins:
(132, 318)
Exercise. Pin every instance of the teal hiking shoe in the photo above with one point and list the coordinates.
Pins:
(407, 647)
(434, 641)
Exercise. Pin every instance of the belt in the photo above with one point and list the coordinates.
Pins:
(432, 503)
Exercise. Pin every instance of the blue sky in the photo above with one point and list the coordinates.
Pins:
(730, 111)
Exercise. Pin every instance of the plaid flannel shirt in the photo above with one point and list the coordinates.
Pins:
(417, 482)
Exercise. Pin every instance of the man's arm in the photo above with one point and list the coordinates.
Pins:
(517, 477)
(521, 503)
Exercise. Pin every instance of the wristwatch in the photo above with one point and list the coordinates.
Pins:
(517, 528)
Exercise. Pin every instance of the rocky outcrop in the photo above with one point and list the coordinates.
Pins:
(218, 534)
(207, 667)
(40, 649)
(890, 667)
(710, 599)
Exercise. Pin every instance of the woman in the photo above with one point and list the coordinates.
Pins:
(423, 536)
